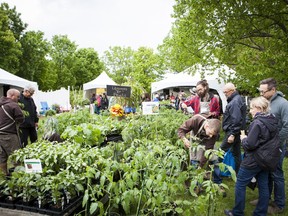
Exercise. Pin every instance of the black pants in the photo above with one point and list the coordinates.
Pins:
(28, 132)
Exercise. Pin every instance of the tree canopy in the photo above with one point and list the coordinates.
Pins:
(11, 28)
(126, 65)
(52, 64)
(248, 36)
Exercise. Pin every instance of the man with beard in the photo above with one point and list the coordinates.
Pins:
(204, 102)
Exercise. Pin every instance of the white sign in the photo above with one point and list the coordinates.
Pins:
(33, 166)
(150, 108)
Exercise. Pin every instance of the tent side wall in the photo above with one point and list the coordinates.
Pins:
(189, 83)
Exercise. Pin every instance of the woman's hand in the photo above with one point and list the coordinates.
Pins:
(242, 136)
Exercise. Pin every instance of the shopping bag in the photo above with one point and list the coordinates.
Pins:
(228, 160)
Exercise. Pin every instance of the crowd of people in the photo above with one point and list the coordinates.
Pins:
(99, 102)
(269, 128)
(269, 125)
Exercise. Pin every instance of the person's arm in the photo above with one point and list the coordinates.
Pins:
(215, 107)
(184, 129)
(251, 142)
(283, 133)
(235, 119)
(18, 115)
(189, 102)
(36, 114)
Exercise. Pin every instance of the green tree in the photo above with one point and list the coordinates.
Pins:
(87, 66)
(34, 64)
(119, 62)
(147, 67)
(249, 36)
(11, 29)
(16, 25)
(63, 58)
(125, 65)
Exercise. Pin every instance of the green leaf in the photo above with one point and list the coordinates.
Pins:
(178, 202)
(149, 183)
(102, 180)
(93, 207)
(167, 210)
(79, 187)
(179, 210)
(85, 198)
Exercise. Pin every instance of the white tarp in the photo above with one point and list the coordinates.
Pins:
(13, 81)
(100, 82)
(191, 77)
(60, 97)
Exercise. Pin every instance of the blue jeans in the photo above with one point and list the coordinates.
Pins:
(243, 179)
(97, 109)
(217, 175)
(276, 180)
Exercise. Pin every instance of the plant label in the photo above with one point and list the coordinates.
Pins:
(33, 166)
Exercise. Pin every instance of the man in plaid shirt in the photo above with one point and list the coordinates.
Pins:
(204, 102)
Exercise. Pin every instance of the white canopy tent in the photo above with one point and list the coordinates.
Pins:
(13, 81)
(100, 82)
(189, 79)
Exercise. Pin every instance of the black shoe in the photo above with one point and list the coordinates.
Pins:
(228, 212)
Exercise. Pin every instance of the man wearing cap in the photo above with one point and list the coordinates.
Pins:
(28, 127)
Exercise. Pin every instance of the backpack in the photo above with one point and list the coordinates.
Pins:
(268, 154)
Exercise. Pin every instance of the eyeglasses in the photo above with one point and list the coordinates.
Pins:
(264, 92)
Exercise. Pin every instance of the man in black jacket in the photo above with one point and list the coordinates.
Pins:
(234, 120)
(28, 127)
(10, 117)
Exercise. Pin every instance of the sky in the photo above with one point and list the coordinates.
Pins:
(99, 24)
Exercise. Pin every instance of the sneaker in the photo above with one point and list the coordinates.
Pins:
(254, 202)
(228, 212)
(274, 210)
